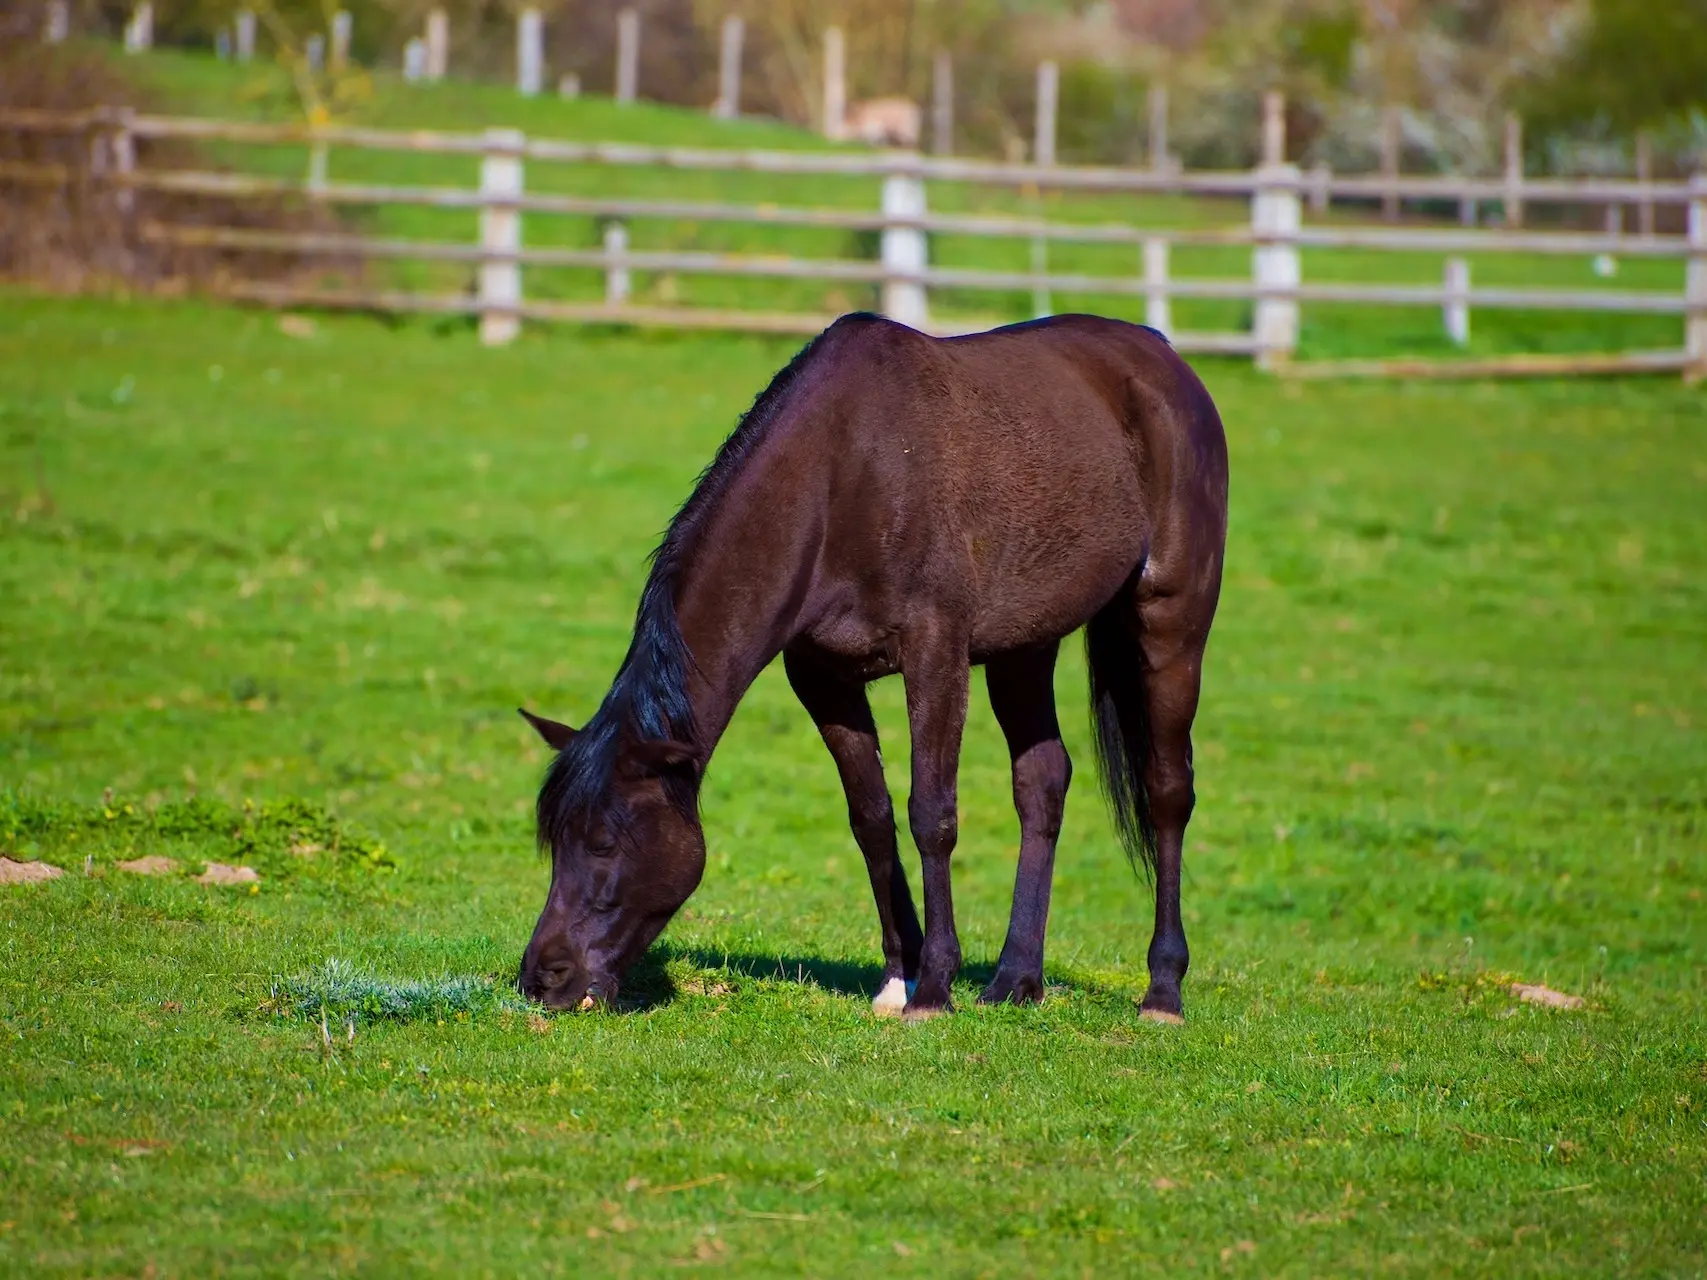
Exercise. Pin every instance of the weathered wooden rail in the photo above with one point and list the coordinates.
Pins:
(1278, 196)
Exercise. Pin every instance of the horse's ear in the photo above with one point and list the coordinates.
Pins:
(556, 735)
(667, 757)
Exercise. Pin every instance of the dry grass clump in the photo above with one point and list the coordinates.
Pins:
(66, 225)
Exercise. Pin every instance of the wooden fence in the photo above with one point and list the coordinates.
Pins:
(1278, 195)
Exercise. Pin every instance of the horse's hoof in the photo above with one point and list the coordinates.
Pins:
(1013, 991)
(892, 998)
(1161, 1015)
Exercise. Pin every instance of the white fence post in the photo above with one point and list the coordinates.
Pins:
(438, 44)
(1645, 175)
(1513, 171)
(569, 85)
(1695, 332)
(617, 283)
(1159, 158)
(1390, 140)
(1048, 95)
(627, 55)
(1041, 303)
(1273, 128)
(139, 32)
(729, 69)
(942, 103)
(415, 60)
(342, 26)
(530, 52)
(1158, 307)
(1275, 216)
(500, 236)
(904, 253)
(111, 158)
(1321, 187)
(57, 25)
(222, 44)
(245, 29)
(1455, 309)
(314, 52)
(835, 84)
(124, 160)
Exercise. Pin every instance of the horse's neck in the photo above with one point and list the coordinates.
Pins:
(738, 603)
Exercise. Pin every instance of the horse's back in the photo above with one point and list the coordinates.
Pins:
(1067, 381)
(1023, 474)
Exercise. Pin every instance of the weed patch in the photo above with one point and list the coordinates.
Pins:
(340, 992)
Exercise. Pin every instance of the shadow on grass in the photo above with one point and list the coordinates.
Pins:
(649, 986)
(338, 991)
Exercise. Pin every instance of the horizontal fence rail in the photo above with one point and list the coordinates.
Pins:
(733, 264)
(1278, 195)
(1444, 188)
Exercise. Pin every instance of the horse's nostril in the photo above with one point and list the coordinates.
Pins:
(538, 982)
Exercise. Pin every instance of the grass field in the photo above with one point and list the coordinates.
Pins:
(197, 84)
(1452, 735)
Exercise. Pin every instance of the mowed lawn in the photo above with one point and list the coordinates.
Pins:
(1452, 737)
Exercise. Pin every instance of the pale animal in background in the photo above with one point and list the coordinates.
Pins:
(883, 122)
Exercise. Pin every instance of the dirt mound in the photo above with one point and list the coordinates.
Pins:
(26, 872)
(1534, 993)
(153, 865)
(220, 873)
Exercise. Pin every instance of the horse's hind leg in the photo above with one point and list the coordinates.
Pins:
(1022, 693)
(1174, 629)
(843, 715)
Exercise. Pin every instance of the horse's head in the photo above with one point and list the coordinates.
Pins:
(626, 853)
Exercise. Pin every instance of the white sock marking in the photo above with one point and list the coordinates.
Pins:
(893, 996)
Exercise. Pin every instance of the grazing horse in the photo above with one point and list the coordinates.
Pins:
(899, 503)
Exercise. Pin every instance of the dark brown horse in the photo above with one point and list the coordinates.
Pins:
(899, 503)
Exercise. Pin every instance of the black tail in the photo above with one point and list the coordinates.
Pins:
(1121, 716)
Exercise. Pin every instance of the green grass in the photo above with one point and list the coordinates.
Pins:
(199, 85)
(1452, 730)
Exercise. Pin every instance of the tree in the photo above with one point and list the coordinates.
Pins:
(1634, 64)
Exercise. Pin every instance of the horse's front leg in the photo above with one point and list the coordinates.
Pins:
(934, 669)
(843, 715)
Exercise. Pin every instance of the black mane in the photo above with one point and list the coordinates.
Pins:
(648, 700)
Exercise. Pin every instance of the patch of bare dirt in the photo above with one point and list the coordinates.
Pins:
(153, 865)
(1534, 993)
(27, 872)
(220, 873)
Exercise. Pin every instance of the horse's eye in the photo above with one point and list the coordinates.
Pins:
(600, 843)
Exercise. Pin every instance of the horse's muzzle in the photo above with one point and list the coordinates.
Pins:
(567, 989)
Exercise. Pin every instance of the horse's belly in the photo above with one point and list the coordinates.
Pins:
(1019, 611)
